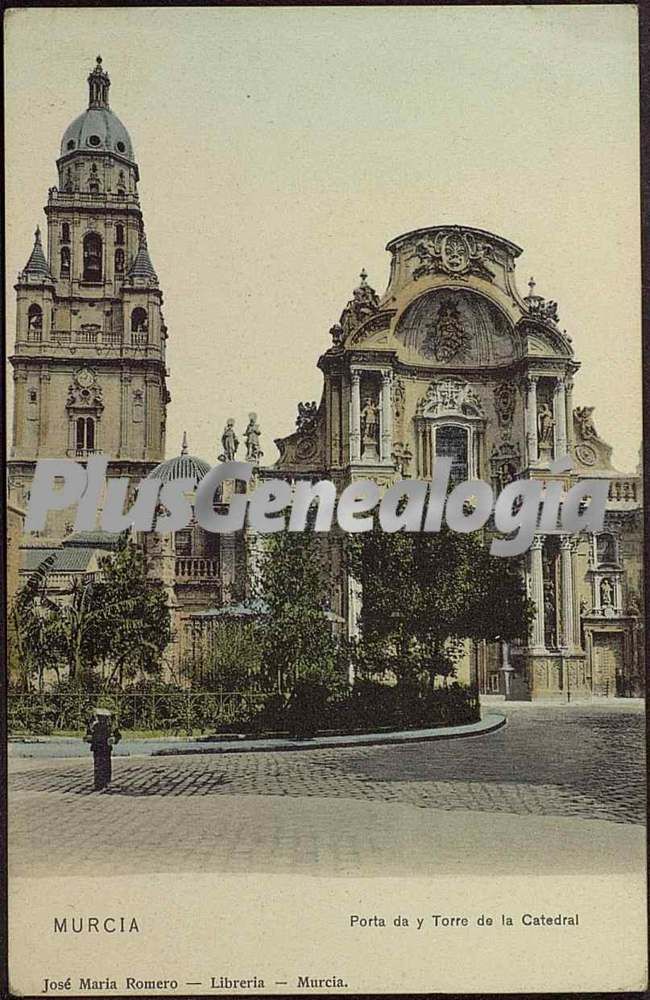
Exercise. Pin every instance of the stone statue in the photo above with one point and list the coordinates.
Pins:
(307, 413)
(369, 421)
(549, 615)
(252, 435)
(545, 424)
(586, 426)
(229, 442)
(606, 593)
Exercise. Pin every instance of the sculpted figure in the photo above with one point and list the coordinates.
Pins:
(229, 442)
(369, 420)
(586, 426)
(545, 424)
(606, 593)
(252, 435)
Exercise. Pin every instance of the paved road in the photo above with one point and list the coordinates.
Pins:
(557, 787)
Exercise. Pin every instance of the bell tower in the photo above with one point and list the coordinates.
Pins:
(89, 360)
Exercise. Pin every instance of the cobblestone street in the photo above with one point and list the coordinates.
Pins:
(566, 784)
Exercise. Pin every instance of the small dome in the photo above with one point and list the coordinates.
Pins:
(181, 467)
(97, 130)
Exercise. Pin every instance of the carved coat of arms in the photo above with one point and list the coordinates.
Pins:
(447, 338)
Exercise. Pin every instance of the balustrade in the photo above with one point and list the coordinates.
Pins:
(196, 568)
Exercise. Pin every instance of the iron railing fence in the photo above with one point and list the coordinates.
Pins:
(51, 712)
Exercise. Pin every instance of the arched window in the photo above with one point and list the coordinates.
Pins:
(85, 434)
(119, 234)
(139, 321)
(92, 257)
(451, 441)
(65, 232)
(34, 322)
(68, 182)
(119, 261)
(121, 186)
(65, 262)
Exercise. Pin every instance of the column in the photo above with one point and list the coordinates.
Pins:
(531, 418)
(568, 382)
(386, 447)
(125, 382)
(559, 414)
(355, 417)
(566, 583)
(537, 592)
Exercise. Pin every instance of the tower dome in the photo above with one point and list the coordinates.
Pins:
(98, 129)
(183, 466)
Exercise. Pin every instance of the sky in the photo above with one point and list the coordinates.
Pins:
(280, 149)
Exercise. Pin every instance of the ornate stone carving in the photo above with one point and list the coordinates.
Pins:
(307, 413)
(447, 338)
(449, 395)
(363, 304)
(539, 307)
(402, 457)
(505, 398)
(585, 425)
(336, 333)
(84, 392)
(505, 463)
(229, 442)
(590, 450)
(453, 252)
(399, 399)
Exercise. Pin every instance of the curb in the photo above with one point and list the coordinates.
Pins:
(490, 724)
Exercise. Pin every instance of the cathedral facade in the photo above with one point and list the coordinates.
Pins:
(452, 360)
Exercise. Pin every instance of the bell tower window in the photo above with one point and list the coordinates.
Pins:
(65, 232)
(119, 234)
(34, 322)
(92, 257)
(119, 261)
(65, 262)
(139, 321)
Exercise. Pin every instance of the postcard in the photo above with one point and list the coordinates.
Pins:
(324, 501)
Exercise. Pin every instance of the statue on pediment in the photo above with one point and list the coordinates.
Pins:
(252, 434)
(229, 442)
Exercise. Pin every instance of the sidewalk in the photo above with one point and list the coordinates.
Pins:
(68, 747)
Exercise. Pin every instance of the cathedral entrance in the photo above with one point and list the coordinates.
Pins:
(607, 679)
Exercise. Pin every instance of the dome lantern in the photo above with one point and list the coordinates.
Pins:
(98, 85)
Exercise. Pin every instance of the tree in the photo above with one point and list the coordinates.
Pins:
(130, 625)
(121, 621)
(424, 593)
(297, 642)
(28, 618)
